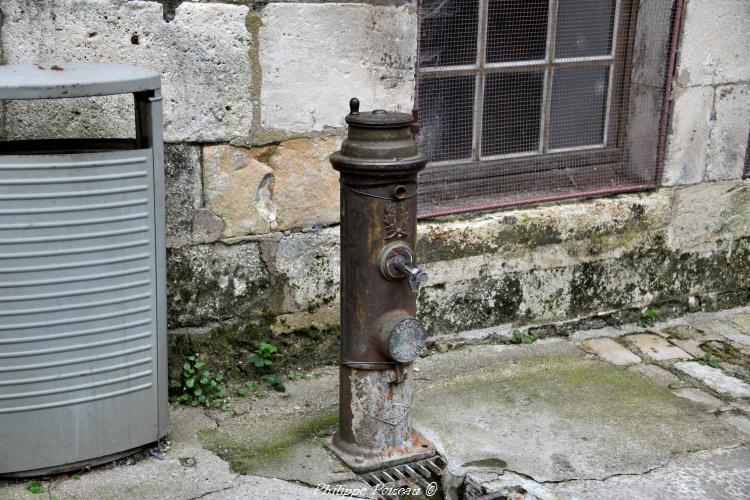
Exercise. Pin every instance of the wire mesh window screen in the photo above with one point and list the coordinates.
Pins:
(521, 101)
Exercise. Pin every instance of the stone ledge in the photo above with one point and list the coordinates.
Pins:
(542, 265)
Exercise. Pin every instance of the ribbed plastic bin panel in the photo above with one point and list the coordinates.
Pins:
(78, 307)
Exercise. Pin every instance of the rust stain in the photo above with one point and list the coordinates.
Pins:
(56, 68)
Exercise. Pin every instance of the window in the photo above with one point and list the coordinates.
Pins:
(524, 100)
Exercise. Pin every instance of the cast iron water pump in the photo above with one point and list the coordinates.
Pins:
(380, 336)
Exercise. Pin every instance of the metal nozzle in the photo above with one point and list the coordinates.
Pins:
(417, 277)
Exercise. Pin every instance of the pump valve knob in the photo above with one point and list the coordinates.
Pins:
(402, 336)
(354, 106)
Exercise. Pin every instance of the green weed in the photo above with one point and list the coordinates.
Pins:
(198, 386)
(520, 337)
(649, 316)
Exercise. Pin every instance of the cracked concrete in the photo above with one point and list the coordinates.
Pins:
(716, 473)
(547, 420)
(554, 414)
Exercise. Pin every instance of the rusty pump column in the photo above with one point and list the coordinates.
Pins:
(380, 336)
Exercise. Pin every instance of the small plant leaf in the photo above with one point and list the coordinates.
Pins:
(258, 361)
(198, 386)
(275, 382)
(35, 487)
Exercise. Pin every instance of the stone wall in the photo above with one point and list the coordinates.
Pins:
(255, 94)
(711, 94)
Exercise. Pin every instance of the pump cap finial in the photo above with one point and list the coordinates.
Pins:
(354, 106)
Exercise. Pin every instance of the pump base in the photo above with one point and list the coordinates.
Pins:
(418, 448)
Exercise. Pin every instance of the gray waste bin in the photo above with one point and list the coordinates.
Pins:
(83, 346)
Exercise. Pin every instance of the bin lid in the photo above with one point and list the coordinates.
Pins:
(53, 81)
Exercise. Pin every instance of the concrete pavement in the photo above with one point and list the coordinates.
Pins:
(628, 412)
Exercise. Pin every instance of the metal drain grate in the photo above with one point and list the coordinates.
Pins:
(424, 474)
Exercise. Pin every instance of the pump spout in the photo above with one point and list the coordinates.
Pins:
(416, 276)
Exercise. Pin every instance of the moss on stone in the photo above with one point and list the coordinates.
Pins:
(533, 230)
(492, 463)
(645, 270)
(728, 353)
(486, 301)
(219, 282)
(653, 268)
(452, 244)
(603, 390)
(228, 347)
(648, 269)
(247, 457)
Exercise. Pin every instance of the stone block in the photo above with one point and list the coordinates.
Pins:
(216, 282)
(237, 188)
(202, 55)
(690, 123)
(738, 337)
(687, 332)
(610, 351)
(657, 374)
(710, 211)
(728, 146)
(656, 347)
(206, 227)
(315, 56)
(309, 265)
(182, 182)
(742, 321)
(714, 42)
(689, 346)
(257, 190)
(741, 422)
(730, 330)
(322, 318)
(305, 187)
(701, 397)
(742, 405)
(715, 379)
(546, 293)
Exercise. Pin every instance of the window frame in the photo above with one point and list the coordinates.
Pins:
(609, 155)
